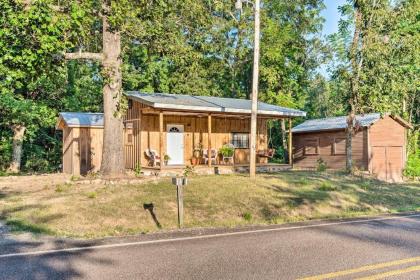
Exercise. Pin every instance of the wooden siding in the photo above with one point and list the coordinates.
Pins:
(68, 150)
(327, 141)
(82, 150)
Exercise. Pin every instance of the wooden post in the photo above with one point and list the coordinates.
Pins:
(290, 143)
(180, 202)
(161, 139)
(254, 97)
(209, 139)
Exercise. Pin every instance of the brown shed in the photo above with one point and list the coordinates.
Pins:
(82, 142)
(172, 126)
(379, 145)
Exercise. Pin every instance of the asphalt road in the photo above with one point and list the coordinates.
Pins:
(386, 248)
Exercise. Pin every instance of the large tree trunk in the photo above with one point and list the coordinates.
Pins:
(18, 134)
(356, 63)
(112, 153)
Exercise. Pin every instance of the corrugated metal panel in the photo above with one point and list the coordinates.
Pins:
(335, 123)
(82, 119)
(209, 104)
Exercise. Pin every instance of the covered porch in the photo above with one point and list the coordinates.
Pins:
(168, 133)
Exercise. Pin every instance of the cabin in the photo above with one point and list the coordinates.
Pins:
(172, 131)
(378, 146)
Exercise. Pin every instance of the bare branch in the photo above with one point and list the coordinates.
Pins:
(84, 55)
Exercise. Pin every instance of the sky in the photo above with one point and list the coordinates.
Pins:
(331, 15)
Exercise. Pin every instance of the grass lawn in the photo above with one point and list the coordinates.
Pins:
(210, 201)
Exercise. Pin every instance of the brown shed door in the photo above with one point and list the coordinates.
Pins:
(387, 163)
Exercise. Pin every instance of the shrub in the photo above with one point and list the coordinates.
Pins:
(412, 168)
(321, 165)
(189, 170)
(59, 188)
(247, 216)
(92, 195)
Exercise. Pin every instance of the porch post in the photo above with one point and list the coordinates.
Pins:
(209, 139)
(290, 143)
(161, 138)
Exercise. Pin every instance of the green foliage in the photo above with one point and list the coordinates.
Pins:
(227, 150)
(137, 170)
(412, 168)
(92, 195)
(189, 171)
(321, 165)
(327, 186)
(247, 216)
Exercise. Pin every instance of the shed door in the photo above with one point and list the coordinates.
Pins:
(394, 163)
(387, 163)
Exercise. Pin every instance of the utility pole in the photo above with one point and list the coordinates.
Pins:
(254, 95)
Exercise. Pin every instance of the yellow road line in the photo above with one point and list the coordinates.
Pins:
(391, 273)
(361, 269)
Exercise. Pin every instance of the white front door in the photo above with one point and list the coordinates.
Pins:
(175, 143)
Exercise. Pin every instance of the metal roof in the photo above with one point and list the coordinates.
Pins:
(209, 104)
(335, 123)
(81, 119)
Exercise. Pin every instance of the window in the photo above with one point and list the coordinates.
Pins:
(240, 140)
(339, 146)
(311, 146)
(174, 129)
(129, 133)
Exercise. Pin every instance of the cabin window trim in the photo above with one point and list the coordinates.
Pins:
(240, 140)
(305, 146)
(336, 140)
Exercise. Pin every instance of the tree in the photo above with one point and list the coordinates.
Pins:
(376, 63)
(30, 71)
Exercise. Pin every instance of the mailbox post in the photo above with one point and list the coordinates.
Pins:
(180, 182)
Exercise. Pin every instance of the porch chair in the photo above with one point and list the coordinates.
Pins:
(212, 157)
(152, 157)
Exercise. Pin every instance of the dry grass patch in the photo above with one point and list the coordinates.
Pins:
(210, 201)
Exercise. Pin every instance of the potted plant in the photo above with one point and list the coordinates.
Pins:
(197, 152)
(227, 152)
(166, 158)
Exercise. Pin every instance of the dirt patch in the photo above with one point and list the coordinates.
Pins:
(33, 181)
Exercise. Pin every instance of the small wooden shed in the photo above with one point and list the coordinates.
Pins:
(379, 145)
(82, 141)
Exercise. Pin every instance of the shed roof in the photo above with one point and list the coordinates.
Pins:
(76, 119)
(336, 123)
(209, 104)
